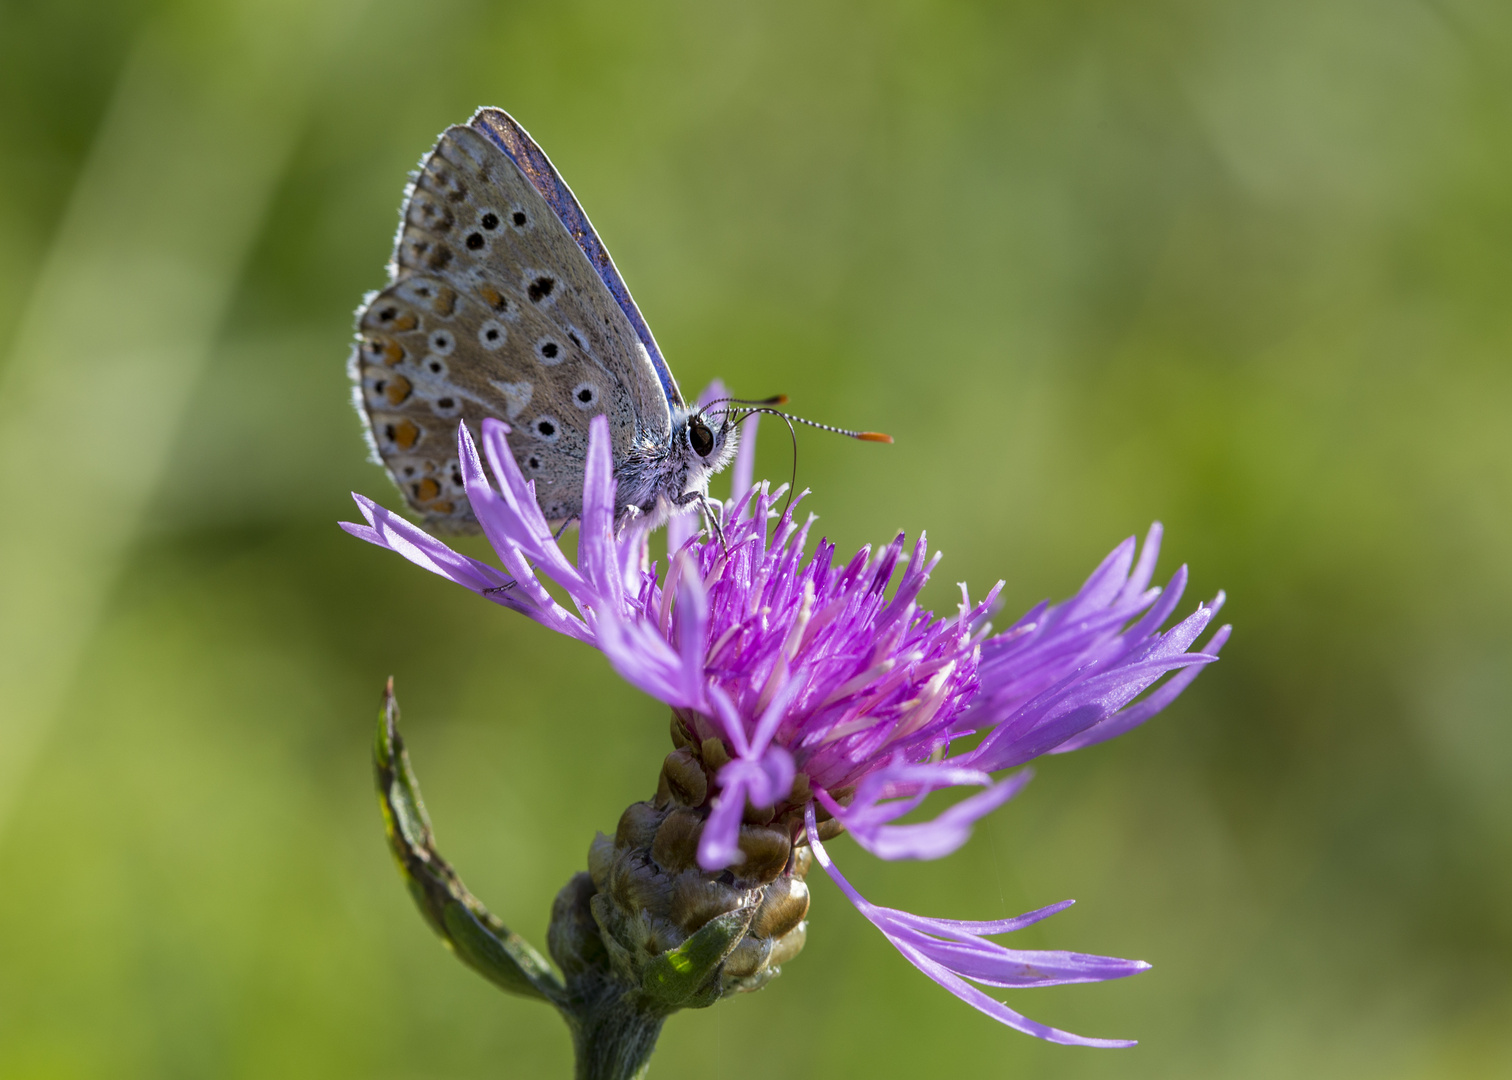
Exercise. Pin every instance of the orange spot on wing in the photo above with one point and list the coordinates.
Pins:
(406, 433)
(426, 490)
(445, 302)
(398, 390)
(387, 315)
(493, 297)
(378, 347)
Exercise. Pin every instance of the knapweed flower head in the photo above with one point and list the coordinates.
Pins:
(820, 695)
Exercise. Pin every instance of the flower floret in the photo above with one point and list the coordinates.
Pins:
(950, 951)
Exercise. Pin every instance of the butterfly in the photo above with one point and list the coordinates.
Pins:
(503, 302)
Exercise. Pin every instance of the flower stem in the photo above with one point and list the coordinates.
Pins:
(614, 1039)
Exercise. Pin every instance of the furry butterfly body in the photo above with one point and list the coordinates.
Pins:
(503, 302)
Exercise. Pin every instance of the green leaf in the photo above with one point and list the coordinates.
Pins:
(687, 977)
(479, 940)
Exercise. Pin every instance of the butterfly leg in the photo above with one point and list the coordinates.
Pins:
(711, 510)
(511, 584)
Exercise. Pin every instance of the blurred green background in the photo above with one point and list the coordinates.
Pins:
(1243, 268)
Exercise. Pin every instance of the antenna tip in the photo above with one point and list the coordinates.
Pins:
(873, 436)
(777, 399)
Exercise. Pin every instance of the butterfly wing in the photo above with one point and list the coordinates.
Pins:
(494, 309)
(501, 129)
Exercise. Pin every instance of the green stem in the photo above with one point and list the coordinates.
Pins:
(613, 1040)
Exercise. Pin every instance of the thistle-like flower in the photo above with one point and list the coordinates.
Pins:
(810, 698)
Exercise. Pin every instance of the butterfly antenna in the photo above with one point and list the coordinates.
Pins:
(793, 433)
(864, 436)
(775, 399)
(764, 405)
(789, 419)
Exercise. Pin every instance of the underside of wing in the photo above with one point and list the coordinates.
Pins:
(430, 356)
(495, 311)
(502, 130)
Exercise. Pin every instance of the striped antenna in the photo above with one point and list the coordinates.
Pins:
(766, 406)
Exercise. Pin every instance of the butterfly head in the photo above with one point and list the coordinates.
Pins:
(705, 443)
(711, 444)
(675, 474)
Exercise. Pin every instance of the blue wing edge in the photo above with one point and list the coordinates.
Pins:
(501, 129)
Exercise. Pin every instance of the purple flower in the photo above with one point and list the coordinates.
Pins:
(833, 694)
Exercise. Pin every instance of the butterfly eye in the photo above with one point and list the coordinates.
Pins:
(700, 437)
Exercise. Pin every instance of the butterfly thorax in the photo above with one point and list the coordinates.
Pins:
(659, 478)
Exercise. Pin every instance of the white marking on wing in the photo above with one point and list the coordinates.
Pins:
(516, 396)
